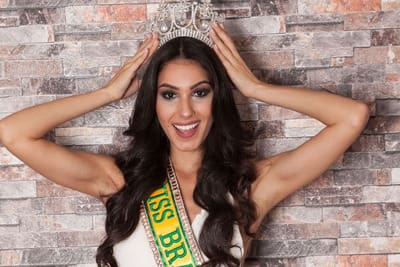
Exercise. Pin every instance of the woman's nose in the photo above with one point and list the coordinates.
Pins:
(186, 107)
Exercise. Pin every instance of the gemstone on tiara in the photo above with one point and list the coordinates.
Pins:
(182, 18)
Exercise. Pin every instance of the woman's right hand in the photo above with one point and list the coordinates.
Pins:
(126, 81)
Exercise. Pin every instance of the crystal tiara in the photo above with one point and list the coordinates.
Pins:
(183, 18)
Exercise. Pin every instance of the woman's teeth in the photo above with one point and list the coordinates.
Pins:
(186, 127)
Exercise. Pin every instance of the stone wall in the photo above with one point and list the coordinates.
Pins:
(348, 217)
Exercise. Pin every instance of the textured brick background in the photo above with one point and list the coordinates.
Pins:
(348, 217)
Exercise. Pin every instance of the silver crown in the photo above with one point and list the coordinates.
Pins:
(184, 19)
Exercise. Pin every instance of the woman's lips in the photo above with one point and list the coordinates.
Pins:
(186, 130)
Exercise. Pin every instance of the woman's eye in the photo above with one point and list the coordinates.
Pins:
(168, 94)
(201, 92)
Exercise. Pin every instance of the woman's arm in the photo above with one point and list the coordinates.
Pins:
(22, 133)
(281, 175)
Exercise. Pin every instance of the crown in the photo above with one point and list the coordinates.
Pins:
(184, 19)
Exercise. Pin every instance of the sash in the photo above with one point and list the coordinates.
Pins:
(168, 228)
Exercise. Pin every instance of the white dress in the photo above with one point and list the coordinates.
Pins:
(135, 250)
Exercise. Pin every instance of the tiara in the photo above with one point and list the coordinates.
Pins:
(184, 19)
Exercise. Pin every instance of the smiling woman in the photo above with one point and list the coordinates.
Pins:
(186, 190)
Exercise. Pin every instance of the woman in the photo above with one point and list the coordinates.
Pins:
(185, 121)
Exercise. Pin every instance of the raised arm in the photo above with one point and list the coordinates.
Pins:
(22, 133)
(282, 174)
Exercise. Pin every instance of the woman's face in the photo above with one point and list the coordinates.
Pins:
(184, 104)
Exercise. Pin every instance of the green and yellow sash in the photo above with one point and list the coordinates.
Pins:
(167, 226)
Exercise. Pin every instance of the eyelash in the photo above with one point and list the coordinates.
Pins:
(202, 92)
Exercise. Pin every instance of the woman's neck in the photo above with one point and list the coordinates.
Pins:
(186, 162)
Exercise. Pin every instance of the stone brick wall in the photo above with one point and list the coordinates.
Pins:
(348, 217)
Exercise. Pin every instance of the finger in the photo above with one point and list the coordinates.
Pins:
(135, 62)
(146, 44)
(227, 64)
(222, 48)
(226, 39)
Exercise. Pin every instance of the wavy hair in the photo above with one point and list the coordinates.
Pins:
(224, 179)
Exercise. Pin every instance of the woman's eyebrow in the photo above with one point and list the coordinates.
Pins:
(177, 88)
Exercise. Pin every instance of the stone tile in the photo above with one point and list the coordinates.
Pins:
(49, 86)
(128, 31)
(285, 76)
(16, 190)
(363, 74)
(33, 16)
(50, 189)
(109, 49)
(392, 73)
(366, 212)
(392, 142)
(364, 229)
(293, 248)
(33, 68)
(248, 112)
(380, 124)
(363, 5)
(26, 34)
(313, 19)
(390, 5)
(298, 231)
(65, 222)
(273, 41)
(325, 6)
(317, 261)
(27, 240)
(341, 39)
(302, 127)
(10, 257)
(385, 37)
(108, 118)
(46, 3)
(372, 20)
(388, 107)
(363, 260)
(79, 238)
(88, 66)
(13, 104)
(371, 91)
(255, 25)
(325, 76)
(58, 256)
(384, 160)
(376, 245)
(6, 158)
(9, 220)
(321, 57)
(275, 7)
(21, 206)
(269, 59)
(381, 194)
(297, 215)
(368, 143)
(394, 260)
(371, 55)
(271, 146)
(84, 136)
(332, 196)
(355, 177)
(3, 3)
(105, 13)
(395, 174)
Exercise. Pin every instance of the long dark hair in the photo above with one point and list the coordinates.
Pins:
(226, 171)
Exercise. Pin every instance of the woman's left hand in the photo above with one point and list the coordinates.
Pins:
(237, 69)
